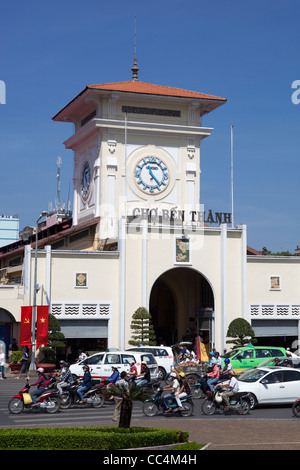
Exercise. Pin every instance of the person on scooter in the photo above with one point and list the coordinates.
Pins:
(233, 388)
(133, 372)
(41, 385)
(213, 377)
(183, 391)
(65, 379)
(144, 376)
(226, 369)
(86, 383)
(174, 388)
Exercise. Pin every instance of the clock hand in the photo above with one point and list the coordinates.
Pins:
(152, 175)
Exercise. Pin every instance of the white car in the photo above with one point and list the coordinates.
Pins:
(100, 364)
(163, 355)
(269, 385)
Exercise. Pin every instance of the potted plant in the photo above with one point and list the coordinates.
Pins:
(15, 365)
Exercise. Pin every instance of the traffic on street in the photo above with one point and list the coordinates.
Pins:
(85, 415)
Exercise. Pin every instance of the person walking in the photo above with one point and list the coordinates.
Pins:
(24, 364)
(2, 364)
(118, 400)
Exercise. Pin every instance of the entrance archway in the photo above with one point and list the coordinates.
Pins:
(181, 300)
(6, 326)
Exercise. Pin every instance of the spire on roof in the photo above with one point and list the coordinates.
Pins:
(135, 68)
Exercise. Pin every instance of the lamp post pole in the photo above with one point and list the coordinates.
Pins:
(32, 363)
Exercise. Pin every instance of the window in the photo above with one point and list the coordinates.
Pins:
(262, 353)
(127, 359)
(276, 353)
(275, 377)
(291, 375)
(148, 358)
(112, 359)
(94, 359)
(245, 354)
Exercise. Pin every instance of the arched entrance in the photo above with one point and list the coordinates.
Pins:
(6, 327)
(182, 299)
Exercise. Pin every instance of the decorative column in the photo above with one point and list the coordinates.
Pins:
(223, 286)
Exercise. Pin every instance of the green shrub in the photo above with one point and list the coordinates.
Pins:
(105, 438)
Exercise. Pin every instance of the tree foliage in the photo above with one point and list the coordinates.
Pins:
(142, 328)
(240, 332)
(55, 339)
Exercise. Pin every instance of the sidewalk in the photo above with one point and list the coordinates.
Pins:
(262, 434)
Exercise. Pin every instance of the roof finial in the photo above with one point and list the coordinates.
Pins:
(135, 68)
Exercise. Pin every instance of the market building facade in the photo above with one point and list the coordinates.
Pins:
(141, 236)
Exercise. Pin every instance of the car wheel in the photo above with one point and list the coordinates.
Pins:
(161, 373)
(253, 401)
(296, 409)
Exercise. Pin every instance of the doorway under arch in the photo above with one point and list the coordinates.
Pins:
(182, 302)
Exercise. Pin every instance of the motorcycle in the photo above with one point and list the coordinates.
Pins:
(94, 396)
(47, 400)
(153, 405)
(296, 408)
(201, 389)
(240, 402)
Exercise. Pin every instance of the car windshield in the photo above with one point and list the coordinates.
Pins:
(252, 375)
(229, 354)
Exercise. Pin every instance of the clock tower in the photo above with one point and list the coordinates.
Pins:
(136, 145)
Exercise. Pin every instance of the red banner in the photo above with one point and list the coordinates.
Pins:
(26, 321)
(42, 321)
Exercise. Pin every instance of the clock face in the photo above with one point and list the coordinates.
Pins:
(151, 175)
(85, 179)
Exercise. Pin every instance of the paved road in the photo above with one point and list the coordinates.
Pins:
(262, 428)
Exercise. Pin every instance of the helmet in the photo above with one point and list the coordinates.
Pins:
(218, 398)
(85, 367)
(227, 361)
(181, 374)
(40, 369)
(173, 374)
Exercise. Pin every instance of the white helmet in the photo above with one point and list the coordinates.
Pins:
(173, 374)
(218, 398)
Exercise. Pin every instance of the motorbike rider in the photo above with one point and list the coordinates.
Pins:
(174, 388)
(65, 379)
(183, 391)
(41, 385)
(86, 383)
(214, 376)
(226, 369)
(144, 376)
(133, 372)
(233, 388)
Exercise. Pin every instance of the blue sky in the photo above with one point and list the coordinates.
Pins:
(245, 51)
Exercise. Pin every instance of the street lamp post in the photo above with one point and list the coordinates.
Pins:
(32, 363)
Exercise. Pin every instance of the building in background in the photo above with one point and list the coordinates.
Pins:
(9, 229)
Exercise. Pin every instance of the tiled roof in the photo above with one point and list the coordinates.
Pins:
(151, 89)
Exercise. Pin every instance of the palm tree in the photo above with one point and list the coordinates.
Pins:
(133, 392)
